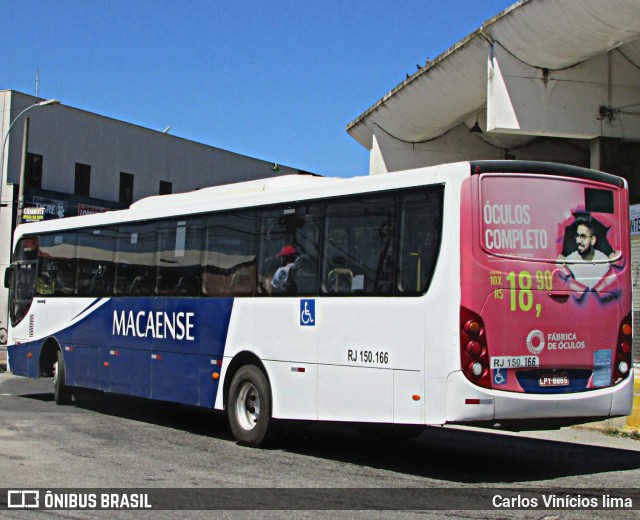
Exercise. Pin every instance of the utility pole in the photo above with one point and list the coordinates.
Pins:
(23, 168)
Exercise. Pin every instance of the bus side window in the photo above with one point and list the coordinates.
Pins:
(135, 265)
(96, 272)
(229, 266)
(303, 276)
(179, 258)
(56, 265)
(290, 239)
(359, 252)
(420, 237)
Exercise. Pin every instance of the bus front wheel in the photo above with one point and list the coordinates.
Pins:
(249, 406)
(61, 391)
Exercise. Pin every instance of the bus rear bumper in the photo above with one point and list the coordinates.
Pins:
(467, 402)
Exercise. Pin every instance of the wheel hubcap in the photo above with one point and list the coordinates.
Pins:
(248, 406)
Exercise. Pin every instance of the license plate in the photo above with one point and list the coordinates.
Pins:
(560, 379)
(515, 361)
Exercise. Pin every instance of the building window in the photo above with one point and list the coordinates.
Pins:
(126, 188)
(33, 170)
(165, 188)
(83, 180)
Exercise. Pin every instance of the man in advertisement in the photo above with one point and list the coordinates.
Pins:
(588, 267)
(587, 264)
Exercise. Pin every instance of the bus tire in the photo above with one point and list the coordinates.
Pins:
(62, 393)
(249, 407)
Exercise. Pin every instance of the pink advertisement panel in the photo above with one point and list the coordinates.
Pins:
(545, 264)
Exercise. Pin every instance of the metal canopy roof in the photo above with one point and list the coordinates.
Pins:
(549, 34)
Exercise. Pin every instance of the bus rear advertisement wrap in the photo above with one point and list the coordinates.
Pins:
(546, 272)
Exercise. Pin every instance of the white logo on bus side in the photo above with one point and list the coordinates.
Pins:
(535, 336)
(156, 325)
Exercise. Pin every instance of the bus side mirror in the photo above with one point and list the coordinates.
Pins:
(8, 277)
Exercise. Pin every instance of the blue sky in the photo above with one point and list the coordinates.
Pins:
(276, 80)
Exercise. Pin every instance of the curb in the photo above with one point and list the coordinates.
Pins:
(633, 421)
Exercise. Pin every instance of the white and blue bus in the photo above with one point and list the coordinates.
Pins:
(482, 292)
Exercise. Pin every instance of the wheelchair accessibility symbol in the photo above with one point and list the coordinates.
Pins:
(308, 313)
(499, 378)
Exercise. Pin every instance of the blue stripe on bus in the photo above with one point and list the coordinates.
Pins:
(87, 307)
(160, 348)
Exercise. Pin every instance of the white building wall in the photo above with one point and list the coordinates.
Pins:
(390, 155)
(595, 98)
(65, 136)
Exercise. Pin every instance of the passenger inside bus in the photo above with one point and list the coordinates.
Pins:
(100, 282)
(281, 282)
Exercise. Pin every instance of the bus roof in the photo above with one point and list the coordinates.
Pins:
(548, 168)
(274, 190)
(239, 188)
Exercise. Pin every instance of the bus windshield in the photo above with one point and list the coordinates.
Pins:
(23, 278)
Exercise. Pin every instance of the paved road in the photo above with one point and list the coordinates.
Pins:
(110, 441)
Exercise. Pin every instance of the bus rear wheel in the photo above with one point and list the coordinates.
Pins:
(249, 406)
(62, 393)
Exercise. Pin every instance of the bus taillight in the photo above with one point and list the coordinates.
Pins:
(473, 348)
(622, 363)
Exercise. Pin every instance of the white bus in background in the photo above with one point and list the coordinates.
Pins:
(482, 292)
